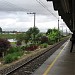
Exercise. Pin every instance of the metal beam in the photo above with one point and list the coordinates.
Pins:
(73, 14)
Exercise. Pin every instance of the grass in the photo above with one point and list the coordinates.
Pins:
(13, 43)
(8, 36)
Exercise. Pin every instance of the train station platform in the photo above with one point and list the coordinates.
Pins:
(61, 62)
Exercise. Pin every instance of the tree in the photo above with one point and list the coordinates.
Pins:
(38, 37)
(32, 32)
(49, 31)
(4, 45)
(27, 38)
(20, 37)
(53, 37)
(29, 33)
(35, 30)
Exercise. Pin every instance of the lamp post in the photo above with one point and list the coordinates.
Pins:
(34, 23)
(34, 17)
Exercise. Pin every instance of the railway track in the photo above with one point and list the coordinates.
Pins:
(29, 67)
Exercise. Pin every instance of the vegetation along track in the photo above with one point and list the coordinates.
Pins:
(29, 67)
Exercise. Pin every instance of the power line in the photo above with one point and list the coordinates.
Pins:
(44, 6)
(40, 2)
(15, 6)
(48, 9)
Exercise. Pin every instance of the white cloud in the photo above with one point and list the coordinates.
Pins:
(21, 21)
(13, 15)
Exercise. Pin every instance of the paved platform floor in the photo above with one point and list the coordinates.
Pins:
(62, 62)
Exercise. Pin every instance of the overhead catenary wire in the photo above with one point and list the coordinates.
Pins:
(40, 2)
(44, 6)
(11, 4)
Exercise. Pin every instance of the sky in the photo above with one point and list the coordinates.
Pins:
(13, 15)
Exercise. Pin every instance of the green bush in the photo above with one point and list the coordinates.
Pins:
(44, 45)
(14, 49)
(53, 36)
(12, 57)
(19, 53)
(51, 42)
(23, 47)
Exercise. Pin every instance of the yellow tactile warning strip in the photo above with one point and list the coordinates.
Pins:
(51, 65)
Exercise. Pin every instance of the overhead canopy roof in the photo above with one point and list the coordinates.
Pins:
(66, 11)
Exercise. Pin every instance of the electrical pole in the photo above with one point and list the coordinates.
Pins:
(34, 19)
(34, 23)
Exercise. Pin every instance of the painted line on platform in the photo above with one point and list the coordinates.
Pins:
(51, 65)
